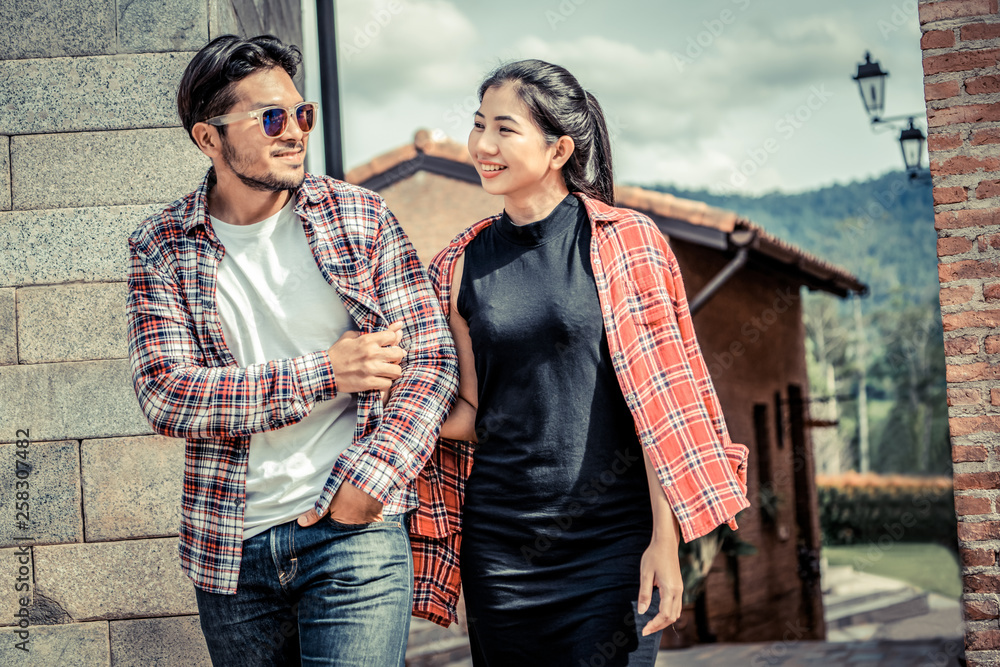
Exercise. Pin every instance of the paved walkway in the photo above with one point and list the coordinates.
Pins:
(932, 638)
(926, 653)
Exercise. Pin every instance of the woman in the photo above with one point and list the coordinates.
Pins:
(574, 342)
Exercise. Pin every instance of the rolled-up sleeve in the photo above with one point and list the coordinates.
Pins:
(420, 399)
(181, 395)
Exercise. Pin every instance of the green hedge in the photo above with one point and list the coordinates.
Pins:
(856, 509)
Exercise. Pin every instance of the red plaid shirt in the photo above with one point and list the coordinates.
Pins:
(189, 384)
(665, 382)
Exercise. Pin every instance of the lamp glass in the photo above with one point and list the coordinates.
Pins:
(871, 85)
(911, 140)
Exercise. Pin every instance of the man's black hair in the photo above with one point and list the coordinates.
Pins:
(206, 89)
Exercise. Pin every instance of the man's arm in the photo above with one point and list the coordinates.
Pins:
(181, 396)
(421, 398)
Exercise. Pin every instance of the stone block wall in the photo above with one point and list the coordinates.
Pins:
(91, 145)
(962, 89)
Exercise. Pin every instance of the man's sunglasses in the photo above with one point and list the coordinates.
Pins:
(274, 120)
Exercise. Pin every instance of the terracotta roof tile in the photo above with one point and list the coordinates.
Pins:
(442, 147)
(785, 252)
(669, 206)
(381, 164)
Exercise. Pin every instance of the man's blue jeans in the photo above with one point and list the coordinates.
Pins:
(329, 594)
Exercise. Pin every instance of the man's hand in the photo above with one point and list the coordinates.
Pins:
(349, 505)
(367, 361)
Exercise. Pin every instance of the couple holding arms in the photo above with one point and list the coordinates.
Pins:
(330, 390)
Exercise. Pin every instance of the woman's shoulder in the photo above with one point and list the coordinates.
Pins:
(633, 234)
(601, 211)
(457, 245)
(442, 263)
(623, 222)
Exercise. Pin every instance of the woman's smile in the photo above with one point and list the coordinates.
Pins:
(491, 169)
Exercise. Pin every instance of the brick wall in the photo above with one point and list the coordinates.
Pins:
(92, 145)
(962, 89)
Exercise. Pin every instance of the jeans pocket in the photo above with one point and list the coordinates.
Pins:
(389, 521)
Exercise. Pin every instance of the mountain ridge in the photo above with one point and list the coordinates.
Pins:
(880, 229)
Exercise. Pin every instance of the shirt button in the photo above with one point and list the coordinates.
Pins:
(607, 309)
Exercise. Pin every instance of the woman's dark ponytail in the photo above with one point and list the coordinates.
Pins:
(561, 107)
(600, 171)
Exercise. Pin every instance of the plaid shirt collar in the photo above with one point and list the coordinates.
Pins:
(196, 214)
(597, 210)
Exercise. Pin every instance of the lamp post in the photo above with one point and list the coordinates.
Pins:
(871, 85)
(330, 85)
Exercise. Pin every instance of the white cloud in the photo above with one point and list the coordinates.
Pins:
(689, 120)
(391, 47)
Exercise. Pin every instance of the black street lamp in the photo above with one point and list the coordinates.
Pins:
(871, 84)
(911, 140)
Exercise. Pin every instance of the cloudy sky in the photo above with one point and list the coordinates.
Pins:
(752, 95)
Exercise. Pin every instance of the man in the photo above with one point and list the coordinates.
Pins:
(269, 312)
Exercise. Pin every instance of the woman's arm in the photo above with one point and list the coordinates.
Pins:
(660, 564)
(461, 422)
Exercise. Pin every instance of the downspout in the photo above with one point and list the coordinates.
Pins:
(741, 239)
(326, 27)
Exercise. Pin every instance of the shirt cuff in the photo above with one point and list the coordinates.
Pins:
(315, 376)
(375, 477)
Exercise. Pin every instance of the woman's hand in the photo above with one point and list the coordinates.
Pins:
(463, 618)
(661, 567)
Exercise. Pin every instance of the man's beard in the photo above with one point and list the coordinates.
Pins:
(267, 183)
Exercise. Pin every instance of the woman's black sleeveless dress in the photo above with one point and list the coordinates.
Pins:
(557, 512)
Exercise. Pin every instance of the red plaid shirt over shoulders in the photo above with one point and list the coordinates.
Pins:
(664, 379)
(190, 386)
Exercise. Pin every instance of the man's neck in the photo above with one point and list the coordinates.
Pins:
(233, 202)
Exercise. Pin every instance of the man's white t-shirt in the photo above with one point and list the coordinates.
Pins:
(275, 304)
